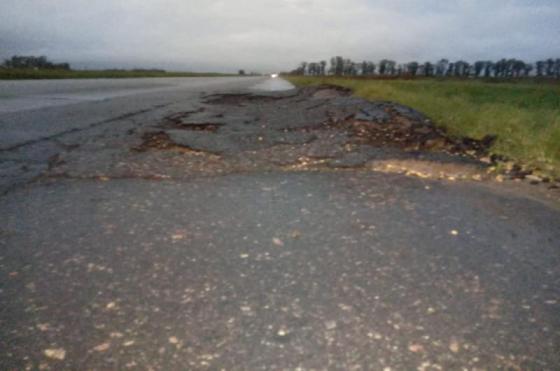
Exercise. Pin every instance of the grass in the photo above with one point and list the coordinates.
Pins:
(525, 116)
(22, 74)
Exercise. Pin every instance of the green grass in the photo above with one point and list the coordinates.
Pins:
(22, 74)
(524, 115)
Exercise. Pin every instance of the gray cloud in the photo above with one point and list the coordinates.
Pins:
(270, 35)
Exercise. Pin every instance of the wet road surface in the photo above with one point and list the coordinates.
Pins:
(306, 230)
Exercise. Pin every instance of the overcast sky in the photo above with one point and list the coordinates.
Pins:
(272, 35)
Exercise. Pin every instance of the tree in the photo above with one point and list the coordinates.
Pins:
(550, 67)
(340, 65)
(387, 67)
(518, 67)
(312, 69)
(428, 69)
(391, 66)
(368, 68)
(364, 68)
(371, 67)
(528, 68)
(500, 68)
(450, 69)
(323, 66)
(303, 67)
(412, 68)
(382, 66)
(40, 62)
(461, 68)
(242, 72)
(442, 67)
(337, 66)
(540, 68)
(488, 68)
(467, 70)
(478, 67)
(347, 67)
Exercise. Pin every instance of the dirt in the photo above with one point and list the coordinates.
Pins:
(330, 91)
(159, 140)
(401, 132)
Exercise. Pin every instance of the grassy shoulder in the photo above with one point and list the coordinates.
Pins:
(23, 74)
(524, 116)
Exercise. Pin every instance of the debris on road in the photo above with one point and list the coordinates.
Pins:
(317, 128)
(56, 353)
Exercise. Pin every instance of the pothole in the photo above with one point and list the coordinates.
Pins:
(205, 126)
(178, 117)
(160, 140)
(409, 135)
(239, 99)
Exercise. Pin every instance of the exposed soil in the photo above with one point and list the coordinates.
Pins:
(159, 140)
(331, 91)
(409, 135)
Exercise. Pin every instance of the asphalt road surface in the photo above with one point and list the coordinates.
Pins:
(209, 224)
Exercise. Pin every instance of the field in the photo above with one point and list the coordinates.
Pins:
(21, 74)
(525, 116)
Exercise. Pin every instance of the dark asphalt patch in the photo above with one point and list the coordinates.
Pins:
(278, 270)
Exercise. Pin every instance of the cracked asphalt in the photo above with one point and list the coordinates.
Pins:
(202, 224)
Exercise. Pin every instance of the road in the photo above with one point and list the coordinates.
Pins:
(203, 224)
(34, 114)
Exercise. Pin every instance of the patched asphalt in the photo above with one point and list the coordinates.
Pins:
(229, 229)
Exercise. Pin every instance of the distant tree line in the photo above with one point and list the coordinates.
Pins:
(32, 62)
(138, 70)
(504, 68)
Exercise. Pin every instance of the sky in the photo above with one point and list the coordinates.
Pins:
(275, 35)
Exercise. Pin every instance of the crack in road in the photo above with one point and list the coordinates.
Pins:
(82, 129)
